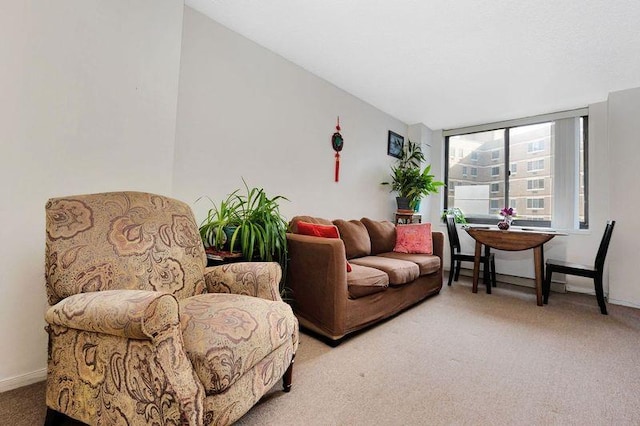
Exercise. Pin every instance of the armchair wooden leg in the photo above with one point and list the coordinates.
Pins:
(54, 418)
(600, 294)
(288, 376)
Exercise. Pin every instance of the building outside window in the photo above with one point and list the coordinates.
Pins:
(551, 146)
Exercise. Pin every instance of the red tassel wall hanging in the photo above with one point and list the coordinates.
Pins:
(337, 142)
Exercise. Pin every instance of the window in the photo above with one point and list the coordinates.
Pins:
(535, 165)
(551, 151)
(533, 184)
(464, 171)
(535, 203)
(535, 146)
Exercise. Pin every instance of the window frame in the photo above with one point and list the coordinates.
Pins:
(507, 126)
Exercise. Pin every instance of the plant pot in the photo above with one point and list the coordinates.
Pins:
(228, 232)
(403, 203)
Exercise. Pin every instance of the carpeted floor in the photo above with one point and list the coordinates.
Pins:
(457, 358)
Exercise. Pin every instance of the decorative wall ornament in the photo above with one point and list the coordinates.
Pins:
(337, 143)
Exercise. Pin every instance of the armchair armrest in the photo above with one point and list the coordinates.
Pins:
(135, 314)
(257, 279)
(138, 314)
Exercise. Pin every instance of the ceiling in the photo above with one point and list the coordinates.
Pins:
(451, 64)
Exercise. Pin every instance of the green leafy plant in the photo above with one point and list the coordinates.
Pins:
(250, 222)
(408, 181)
(457, 214)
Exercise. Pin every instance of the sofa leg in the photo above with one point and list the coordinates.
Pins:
(288, 376)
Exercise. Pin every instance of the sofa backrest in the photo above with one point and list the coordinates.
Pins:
(122, 240)
(355, 236)
(382, 234)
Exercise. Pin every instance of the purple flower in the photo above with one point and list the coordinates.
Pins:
(507, 212)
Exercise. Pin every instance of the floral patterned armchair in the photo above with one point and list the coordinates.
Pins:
(141, 332)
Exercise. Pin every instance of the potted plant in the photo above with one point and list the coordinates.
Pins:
(457, 214)
(248, 222)
(409, 182)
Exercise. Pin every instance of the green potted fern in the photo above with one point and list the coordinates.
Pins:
(249, 223)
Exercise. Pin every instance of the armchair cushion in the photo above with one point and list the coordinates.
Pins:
(225, 335)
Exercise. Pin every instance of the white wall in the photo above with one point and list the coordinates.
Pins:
(89, 91)
(624, 128)
(244, 111)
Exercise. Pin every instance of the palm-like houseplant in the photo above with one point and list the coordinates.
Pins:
(408, 181)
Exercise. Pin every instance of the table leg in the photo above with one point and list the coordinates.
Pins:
(486, 276)
(476, 266)
(537, 266)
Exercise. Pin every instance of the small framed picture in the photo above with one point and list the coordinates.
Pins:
(395, 145)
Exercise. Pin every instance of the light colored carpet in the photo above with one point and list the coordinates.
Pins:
(460, 359)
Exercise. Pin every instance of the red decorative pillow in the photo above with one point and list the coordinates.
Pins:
(414, 238)
(324, 231)
(316, 230)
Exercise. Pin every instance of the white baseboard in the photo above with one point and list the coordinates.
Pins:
(556, 287)
(23, 380)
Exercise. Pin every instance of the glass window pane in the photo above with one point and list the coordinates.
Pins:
(582, 177)
(531, 146)
(473, 194)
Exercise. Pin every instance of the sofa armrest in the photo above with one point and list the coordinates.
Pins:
(317, 276)
(135, 314)
(438, 245)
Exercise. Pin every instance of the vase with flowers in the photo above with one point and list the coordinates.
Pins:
(507, 215)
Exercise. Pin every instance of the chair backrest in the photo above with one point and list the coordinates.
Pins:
(122, 240)
(452, 231)
(604, 245)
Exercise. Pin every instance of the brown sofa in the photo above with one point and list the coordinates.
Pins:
(333, 302)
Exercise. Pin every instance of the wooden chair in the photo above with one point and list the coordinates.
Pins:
(590, 271)
(457, 258)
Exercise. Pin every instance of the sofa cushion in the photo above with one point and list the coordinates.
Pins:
(293, 223)
(414, 238)
(382, 234)
(225, 335)
(318, 230)
(399, 271)
(355, 237)
(363, 281)
(427, 263)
